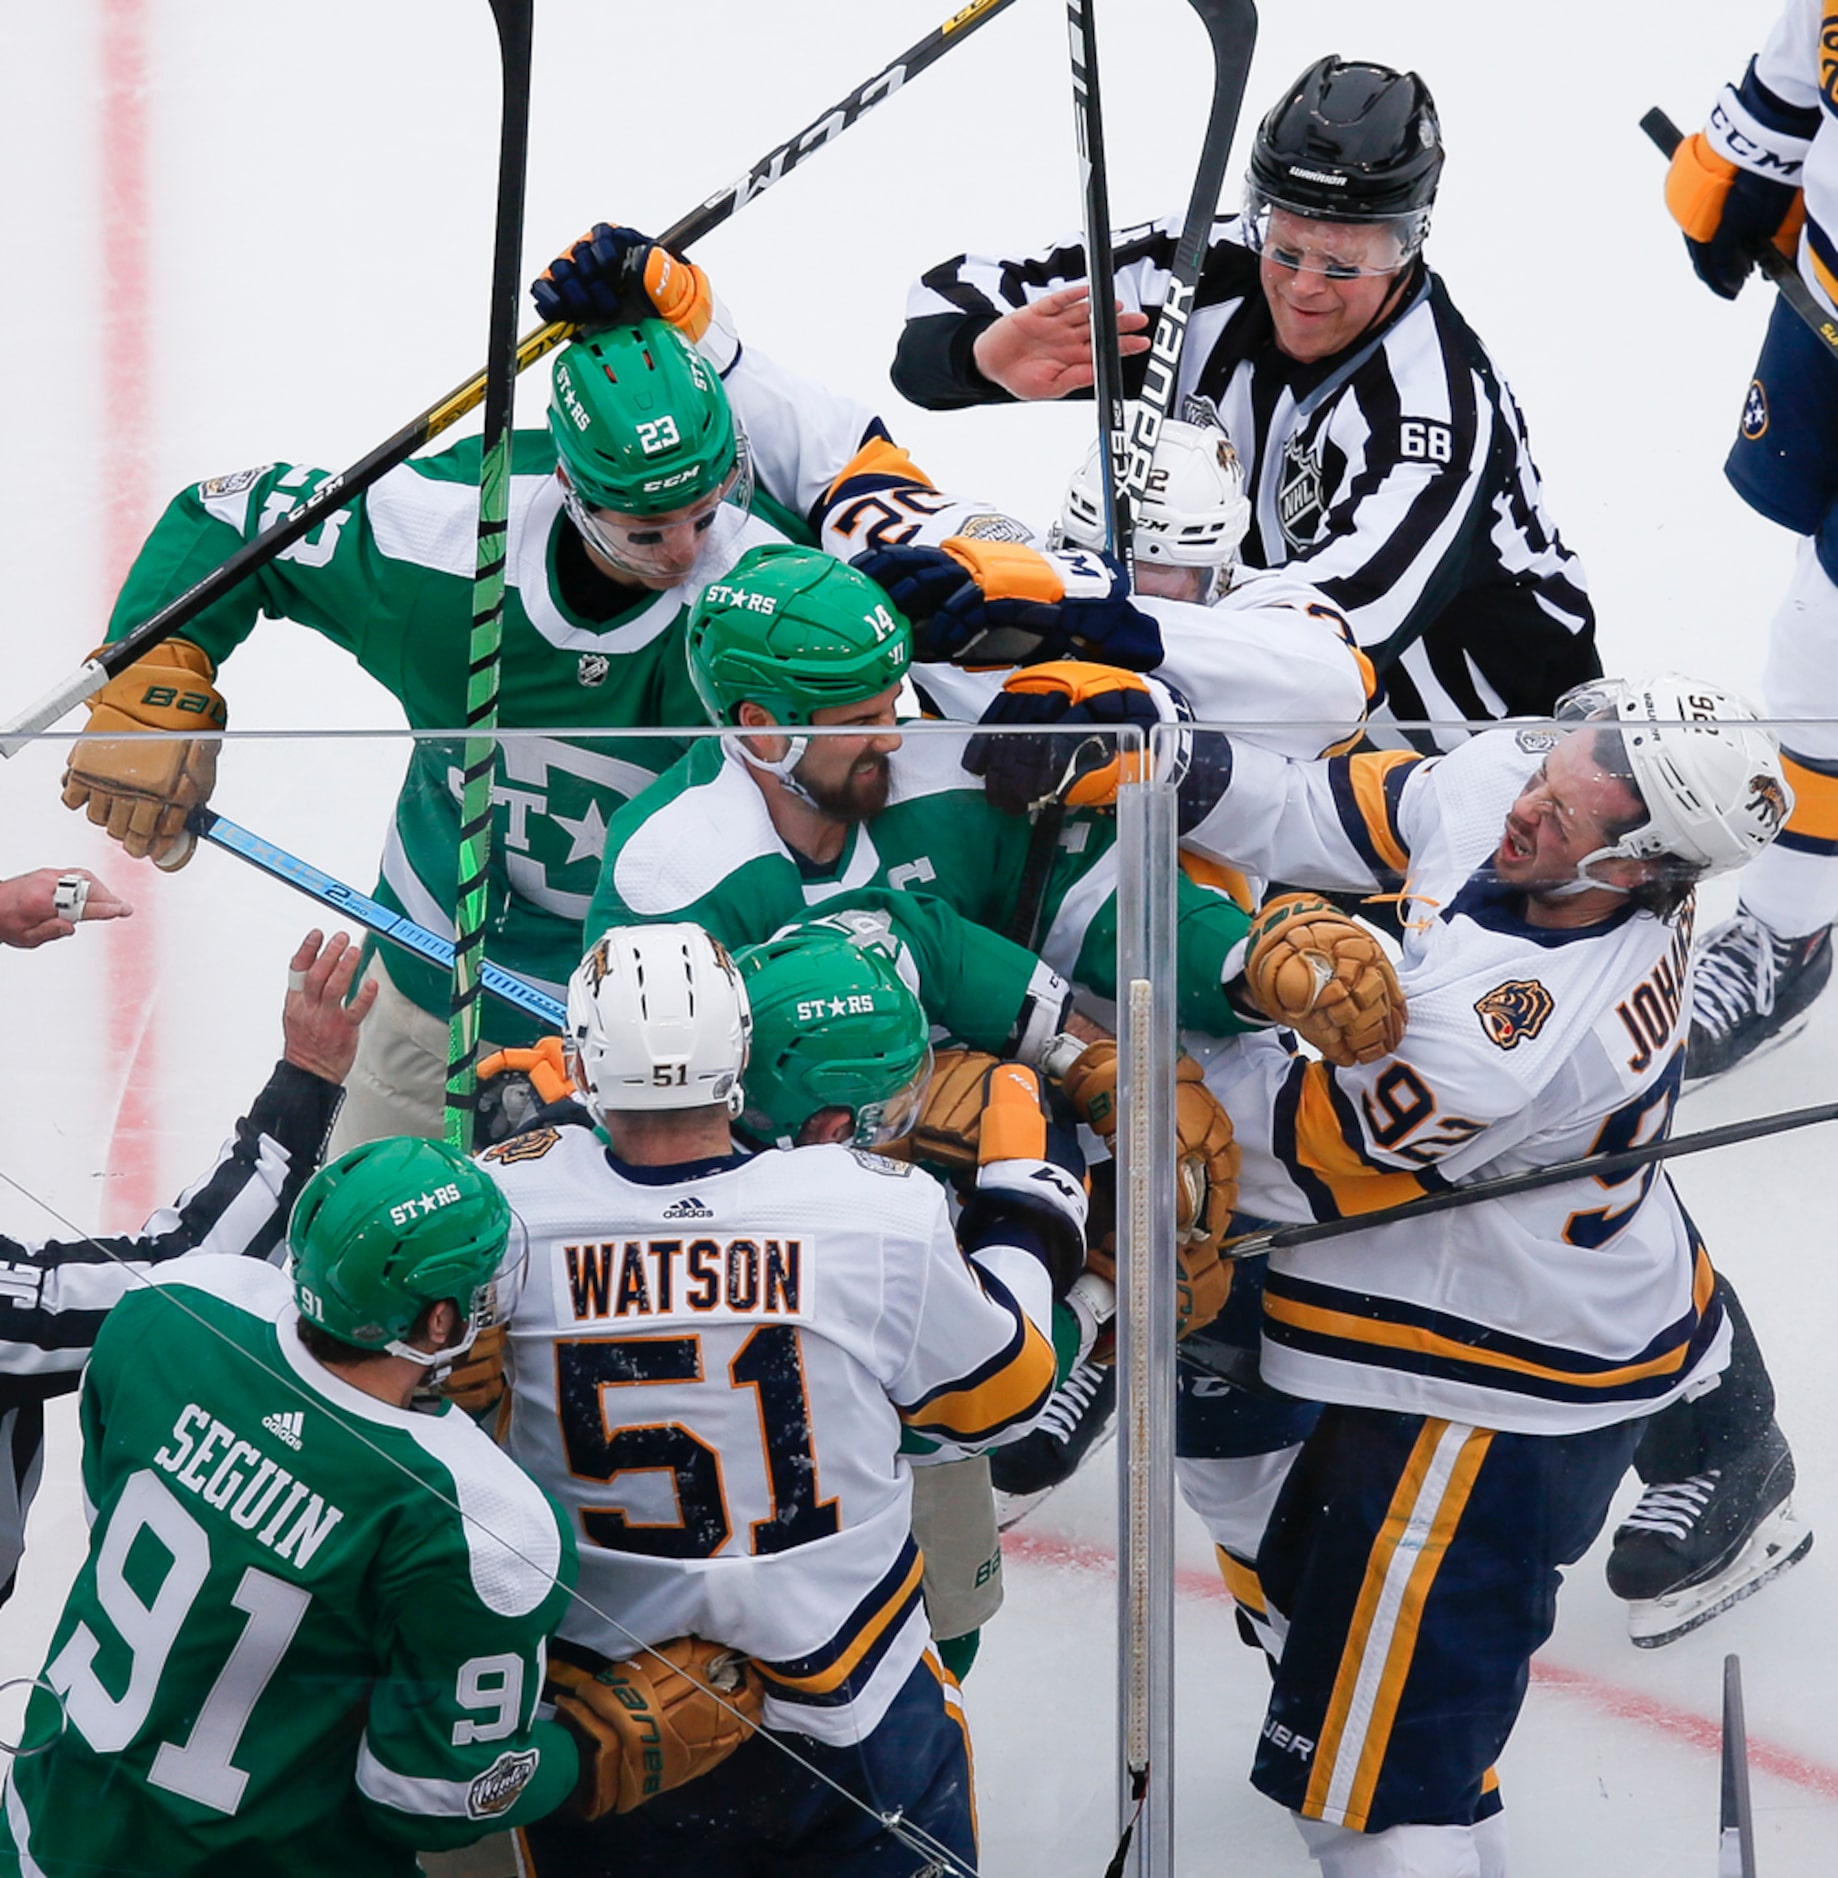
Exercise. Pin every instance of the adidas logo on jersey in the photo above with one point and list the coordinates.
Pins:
(289, 1424)
(689, 1207)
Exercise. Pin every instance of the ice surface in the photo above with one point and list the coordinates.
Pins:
(295, 262)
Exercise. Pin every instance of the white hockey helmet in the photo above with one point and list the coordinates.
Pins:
(1195, 513)
(1709, 775)
(658, 1019)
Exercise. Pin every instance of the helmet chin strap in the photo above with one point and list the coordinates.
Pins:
(785, 767)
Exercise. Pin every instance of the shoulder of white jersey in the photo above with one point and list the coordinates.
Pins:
(688, 845)
(896, 1195)
(929, 763)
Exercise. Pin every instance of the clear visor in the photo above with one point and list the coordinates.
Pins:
(492, 1303)
(1334, 250)
(661, 547)
(877, 1123)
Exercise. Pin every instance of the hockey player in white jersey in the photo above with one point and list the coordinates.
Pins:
(711, 1366)
(1764, 171)
(1486, 1371)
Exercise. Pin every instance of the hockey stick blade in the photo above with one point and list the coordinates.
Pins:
(1231, 25)
(336, 491)
(1667, 136)
(370, 914)
(1588, 1167)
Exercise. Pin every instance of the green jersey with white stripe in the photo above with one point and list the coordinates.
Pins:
(389, 578)
(700, 845)
(308, 1637)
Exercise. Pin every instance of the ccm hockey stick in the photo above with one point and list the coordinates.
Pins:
(370, 914)
(336, 491)
(1232, 27)
(1603, 1167)
(514, 19)
(1770, 260)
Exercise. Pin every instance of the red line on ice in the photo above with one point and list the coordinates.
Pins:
(1677, 1724)
(131, 947)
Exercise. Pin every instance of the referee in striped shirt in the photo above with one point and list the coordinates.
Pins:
(1384, 455)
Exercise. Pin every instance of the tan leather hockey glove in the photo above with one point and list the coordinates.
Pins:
(949, 1129)
(1325, 976)
(653, 1721)
(1206, 1165)
(142, 790)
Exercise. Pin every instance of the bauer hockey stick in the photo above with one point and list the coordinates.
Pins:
(1770, 260)
(370, 914)
(1231, 25)
(1603, 1167)
(336, 491)
(485, 644)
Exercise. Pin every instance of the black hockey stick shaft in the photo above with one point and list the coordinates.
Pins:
(1736, 1838)
(1231, 25)
(1100, 271)
(515, 20)
(1602, 1167)
(1770, 260)
(336, 491)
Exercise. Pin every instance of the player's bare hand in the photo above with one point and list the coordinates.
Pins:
(47, 904)
(319, 1026)
(1043, 350)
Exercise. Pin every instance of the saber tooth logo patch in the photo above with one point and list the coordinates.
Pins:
(1511, 1012)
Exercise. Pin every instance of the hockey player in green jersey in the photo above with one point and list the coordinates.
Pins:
(308, 1637)
(653, 476)
(748, 834)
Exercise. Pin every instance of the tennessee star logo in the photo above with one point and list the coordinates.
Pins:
(1768, 800)
(1755, 412)
(1298, 497)
(1511, 1012)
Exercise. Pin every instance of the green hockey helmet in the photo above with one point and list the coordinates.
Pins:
(642, 423)
(795, 631)
(834, 1026)
(393, 1226)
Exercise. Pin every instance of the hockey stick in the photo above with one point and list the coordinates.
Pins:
(1232, 27)
(370, 914)
(1736, 1839)
(485, 645)
(336, 491)
(1770, 260)
(1603, 1167)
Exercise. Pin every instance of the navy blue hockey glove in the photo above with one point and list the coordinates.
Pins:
(999, 603)
(613, 274)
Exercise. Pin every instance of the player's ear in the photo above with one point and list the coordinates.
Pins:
(834, 1125)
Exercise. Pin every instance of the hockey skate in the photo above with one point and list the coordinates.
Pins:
(1080, 1416)
(1752, 991)
(1692, 1548)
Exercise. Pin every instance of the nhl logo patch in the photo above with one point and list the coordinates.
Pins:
(1755, 412)
(495, 1791)
(593, 669)
(1511, 1012)
(1298, 497)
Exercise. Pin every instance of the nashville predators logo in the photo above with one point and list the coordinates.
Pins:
(1768, 800)
(1511, 1012)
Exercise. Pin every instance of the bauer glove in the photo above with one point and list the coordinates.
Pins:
(1326, 977)
(1206, 1167)
(614, 275)
(1729, 214)
(653, 1721)
(1083, 768)
(142, 790)
(975, 602)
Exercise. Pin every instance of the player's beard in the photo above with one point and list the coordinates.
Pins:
(858, 796)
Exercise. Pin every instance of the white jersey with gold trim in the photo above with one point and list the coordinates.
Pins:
(710, 1367)
(1569, 1308)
